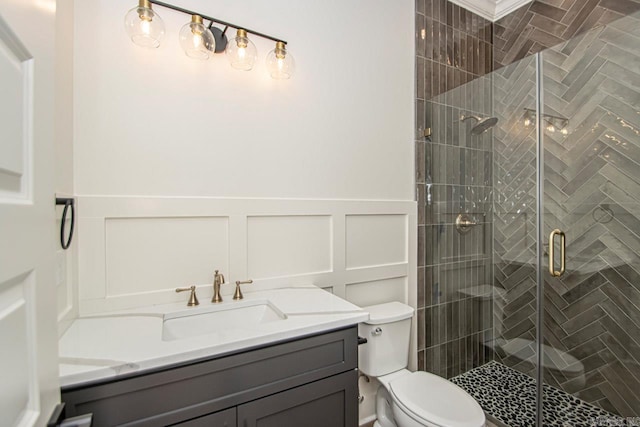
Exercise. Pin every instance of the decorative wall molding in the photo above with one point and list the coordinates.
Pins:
(133, 251)
(491, 9)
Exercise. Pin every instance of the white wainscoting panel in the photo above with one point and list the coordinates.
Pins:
(152, 254)
(90, 238)
(18, 338)
(377, 291)
(16, 87)
(374, 240)
(291, 245)
(133, 251)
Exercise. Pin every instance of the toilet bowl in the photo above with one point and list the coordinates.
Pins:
(417, 399)
(405, 398)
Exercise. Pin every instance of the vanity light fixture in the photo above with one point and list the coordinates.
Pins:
(280, 62)
(241, 52)
(146, 28)
(551, 123)
(197, 40)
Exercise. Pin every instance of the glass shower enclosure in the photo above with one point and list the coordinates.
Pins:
(533, 181)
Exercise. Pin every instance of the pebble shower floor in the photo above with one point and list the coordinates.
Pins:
(509, 396)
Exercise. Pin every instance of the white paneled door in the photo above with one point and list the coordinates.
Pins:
(28, 327)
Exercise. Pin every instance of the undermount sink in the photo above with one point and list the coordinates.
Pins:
(225, 318)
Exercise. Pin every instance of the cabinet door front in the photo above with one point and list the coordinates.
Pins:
(331, 402)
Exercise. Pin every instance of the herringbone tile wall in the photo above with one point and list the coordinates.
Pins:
(547, 23)
(592, 192)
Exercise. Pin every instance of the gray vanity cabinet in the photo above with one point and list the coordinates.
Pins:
(310, 381)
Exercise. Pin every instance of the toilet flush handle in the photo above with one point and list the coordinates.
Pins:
(377, 331)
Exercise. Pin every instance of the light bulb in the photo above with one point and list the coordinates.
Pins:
(564, 131)
(551, 128)
(144, 26)
(197, 40)
(241, 52)
(280, 62)
(527, 122)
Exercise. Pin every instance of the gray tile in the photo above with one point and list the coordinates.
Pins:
(421, 328)
(420, 160)
(421, 287)
(420, 42)
(590, 284)
(630, 330)
(587, 333)
(587, 316)
(625, 7)
(547, 10)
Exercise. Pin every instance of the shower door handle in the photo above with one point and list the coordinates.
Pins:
(552, 260)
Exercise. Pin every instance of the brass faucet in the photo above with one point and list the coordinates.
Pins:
(218, 279)
(193, 299)
(238, 294)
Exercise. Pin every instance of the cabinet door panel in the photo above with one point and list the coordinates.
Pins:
(331, 402)
(219, 419)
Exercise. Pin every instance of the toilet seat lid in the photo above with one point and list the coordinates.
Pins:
(436, 400)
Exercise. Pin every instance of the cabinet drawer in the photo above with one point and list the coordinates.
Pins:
(186, 392)
(332, 402)
(219, 419)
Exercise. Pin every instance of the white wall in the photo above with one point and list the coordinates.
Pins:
(154, 122)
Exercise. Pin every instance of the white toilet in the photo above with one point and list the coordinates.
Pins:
(409, 399)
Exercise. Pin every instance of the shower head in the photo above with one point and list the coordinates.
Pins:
(482, 125)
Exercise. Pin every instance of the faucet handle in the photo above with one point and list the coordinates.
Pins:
(193, 299)
(218, 278)
(238, 294)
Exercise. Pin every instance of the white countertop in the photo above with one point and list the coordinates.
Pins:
(111, 344)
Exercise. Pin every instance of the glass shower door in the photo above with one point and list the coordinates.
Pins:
(515, 224)
(590, 134)
(562, 145)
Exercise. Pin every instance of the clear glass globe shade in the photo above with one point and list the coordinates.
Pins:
(280, 63)
(241, 53)
(144, 27)
(197, 41)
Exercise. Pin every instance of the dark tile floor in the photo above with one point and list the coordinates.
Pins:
(509, 396)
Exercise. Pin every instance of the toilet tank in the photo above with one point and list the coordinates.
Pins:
(388, 332)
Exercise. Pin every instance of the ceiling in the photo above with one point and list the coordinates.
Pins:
(491, 9)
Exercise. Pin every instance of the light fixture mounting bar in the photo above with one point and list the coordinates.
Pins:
(217, 21)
